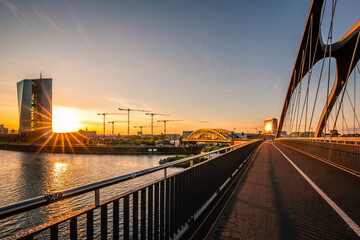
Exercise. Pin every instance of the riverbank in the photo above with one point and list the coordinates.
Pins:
(196, 161)
(101, 149)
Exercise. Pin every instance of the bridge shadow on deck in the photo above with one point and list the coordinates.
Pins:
(273, 201)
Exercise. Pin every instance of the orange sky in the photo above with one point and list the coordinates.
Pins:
(220, 65)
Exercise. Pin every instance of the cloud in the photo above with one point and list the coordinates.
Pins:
(82, 32)
(130, 103)
(45, 18)
(203, 121)
(23, 19)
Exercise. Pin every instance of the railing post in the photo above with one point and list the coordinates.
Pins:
(191, 163)
(97, 197)
(165, 172)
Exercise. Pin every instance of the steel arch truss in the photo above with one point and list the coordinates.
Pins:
(224, 132)
(210, 134)
(312, 49)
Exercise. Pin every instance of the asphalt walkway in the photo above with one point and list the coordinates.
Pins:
(275, 201)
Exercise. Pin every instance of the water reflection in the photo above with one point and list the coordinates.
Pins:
(59, 176)
(60, 168)
(33, 174)
(23, 177)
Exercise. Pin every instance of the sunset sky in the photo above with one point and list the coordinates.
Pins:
(214, 64)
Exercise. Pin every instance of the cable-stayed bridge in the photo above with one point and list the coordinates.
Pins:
(304, 185)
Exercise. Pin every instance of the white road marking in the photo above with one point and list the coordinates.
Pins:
(339, 211)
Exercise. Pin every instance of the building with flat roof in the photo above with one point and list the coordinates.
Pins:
(186, 134)
(270, 125)
(3, 130)
(87, 134)
(35, 105)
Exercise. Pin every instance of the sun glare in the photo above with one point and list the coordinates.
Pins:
(268, 127)
(65, 120)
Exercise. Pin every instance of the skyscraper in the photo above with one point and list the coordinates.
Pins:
(270, 125)
(35, 104)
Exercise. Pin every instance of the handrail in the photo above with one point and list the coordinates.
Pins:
(348, 140)
(37, 202)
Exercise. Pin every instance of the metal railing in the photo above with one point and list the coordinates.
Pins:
(340, 140)
(344, 154)
(160, 210)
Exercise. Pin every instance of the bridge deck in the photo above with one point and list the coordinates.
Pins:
(274, 201)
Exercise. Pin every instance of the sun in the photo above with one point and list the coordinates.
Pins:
(268, 127)
(65, 120)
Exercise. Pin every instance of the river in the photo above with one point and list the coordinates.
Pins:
(24, 176)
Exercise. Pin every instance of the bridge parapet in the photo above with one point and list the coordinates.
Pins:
(340, 152)
(164, 209)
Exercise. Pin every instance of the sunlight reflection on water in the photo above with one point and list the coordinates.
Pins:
(23, 177)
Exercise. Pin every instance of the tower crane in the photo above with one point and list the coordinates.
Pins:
(152, 122)
(104, 114)
(165, 121)
(141, 128)
(112, 122)
(129, 110)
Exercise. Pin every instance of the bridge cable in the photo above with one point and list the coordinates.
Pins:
(344, 119)
(298, 93)
(296, 106)
(293, 111)
(300, 76)
(309, 76)
(329, 71)
(351, 63)
(292, 100)
(299, 96)
(322, 65)
(308, 83)
(352, 107)
(355, 94)
(307, 90)
(357, 67)
(290, 103)
(354, 100)
(300, 79)
(323, 62)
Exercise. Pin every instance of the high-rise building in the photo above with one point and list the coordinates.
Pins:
(270, 125)
(35, 104)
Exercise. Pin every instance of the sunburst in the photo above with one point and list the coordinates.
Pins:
(61, 138)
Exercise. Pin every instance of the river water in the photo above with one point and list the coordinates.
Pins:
(24, 176)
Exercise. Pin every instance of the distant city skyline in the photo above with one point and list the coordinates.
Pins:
(212, 64)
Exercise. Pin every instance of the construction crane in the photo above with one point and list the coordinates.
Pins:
(165, 121)
(152, 118)
(112, 122)
(104, 114)
(141, 127)
(129, 110)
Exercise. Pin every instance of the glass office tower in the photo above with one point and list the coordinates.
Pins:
(35, 104)
(271, 125)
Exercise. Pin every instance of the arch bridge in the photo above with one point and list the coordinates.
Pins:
(216, 135)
